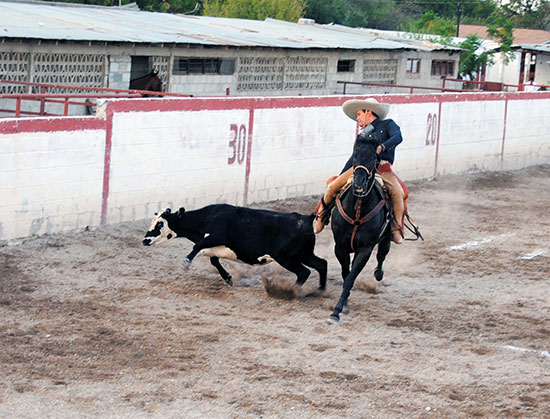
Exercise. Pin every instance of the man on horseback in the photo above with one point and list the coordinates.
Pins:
(371, 117)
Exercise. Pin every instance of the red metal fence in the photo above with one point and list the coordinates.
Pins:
(86, 100)
(461, 86)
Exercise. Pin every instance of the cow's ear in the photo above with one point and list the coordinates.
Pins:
(168, 211)
(181, 211)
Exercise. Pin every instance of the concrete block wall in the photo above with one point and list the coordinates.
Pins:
(143, 155)
(119, 71)
(51, 175)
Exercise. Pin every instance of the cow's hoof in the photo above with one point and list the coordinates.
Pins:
(334, 318)
(229, 281)
(186, 263)
(379, 274)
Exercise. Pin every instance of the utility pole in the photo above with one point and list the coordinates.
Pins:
(458, 13)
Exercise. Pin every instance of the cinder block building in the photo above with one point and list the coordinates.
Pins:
(207, 56)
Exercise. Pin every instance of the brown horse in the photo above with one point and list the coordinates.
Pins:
(150, 82)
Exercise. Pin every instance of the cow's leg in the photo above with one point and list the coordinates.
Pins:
(359, 261)
(320, 265)
(215, 261)
(206, 243)
(295, 267)
(383, 250)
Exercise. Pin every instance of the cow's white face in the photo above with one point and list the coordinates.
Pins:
(158, 232)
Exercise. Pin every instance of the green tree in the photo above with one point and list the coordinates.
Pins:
(471, 61)
(534, 14)
(289, 10)
(501, 30)
(379, 14)
(169, 6)
(431, 23)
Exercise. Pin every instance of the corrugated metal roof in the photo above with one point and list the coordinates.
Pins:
(71, 22)
(542, 47)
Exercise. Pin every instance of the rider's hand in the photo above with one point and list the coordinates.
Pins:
(378, 149)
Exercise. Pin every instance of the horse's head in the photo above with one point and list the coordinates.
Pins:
(365, 162)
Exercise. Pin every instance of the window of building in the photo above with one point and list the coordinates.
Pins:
(442, 68)
(186, 65)
(413, 65)
(346, 66)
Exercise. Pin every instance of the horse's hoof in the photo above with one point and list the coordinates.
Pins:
(334, 318)
(379, 274)
(186, 263)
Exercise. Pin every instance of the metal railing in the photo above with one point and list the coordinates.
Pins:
(465, 86)
(67, 99)
(396, 86)
(492, 86)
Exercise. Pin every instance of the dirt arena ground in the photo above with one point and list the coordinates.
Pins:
(93, 324)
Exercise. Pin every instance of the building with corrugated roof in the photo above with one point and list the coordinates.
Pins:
(531, 61)
(63, 43)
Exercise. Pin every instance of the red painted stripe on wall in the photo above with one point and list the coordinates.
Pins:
(248, 155)
(216, 104)
(503, 134)
(107, 165)
(15, 126)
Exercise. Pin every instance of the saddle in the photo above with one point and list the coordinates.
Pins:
(382, 193)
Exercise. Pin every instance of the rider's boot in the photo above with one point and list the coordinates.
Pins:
(322, 211)
(397, 234)
(398, 207)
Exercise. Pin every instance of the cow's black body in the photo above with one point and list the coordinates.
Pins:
(251, 234)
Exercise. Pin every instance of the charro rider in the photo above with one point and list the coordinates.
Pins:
(371, 113)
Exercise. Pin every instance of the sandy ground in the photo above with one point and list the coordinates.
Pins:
(93, 324)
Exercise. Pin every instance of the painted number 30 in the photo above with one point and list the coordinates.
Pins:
(237, 144)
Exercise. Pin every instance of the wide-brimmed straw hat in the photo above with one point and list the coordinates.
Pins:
(351, 107)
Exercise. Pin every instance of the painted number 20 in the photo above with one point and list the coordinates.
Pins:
(431, 133)
(237, 144)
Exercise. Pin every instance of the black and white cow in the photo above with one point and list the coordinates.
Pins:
(248, 235)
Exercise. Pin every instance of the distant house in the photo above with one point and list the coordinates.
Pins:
(205, 56)
(531, 61)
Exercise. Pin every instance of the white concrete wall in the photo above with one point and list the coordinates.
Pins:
(60, 174)
(527, 139)
(50, 181)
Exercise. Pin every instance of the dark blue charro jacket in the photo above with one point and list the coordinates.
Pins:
(387, 133)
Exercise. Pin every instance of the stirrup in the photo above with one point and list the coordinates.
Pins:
(413, 228)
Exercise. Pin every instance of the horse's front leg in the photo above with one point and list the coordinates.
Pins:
(343, 257)
(383, 250)
(359, 261)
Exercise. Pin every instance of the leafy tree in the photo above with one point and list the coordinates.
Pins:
(470, 60)
(169, 6)
(289, 10)
(431, 23)
(380, 14)
(501, 29)
(534, 14)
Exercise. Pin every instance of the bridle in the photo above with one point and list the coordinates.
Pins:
(358, 220)
(370, 180)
